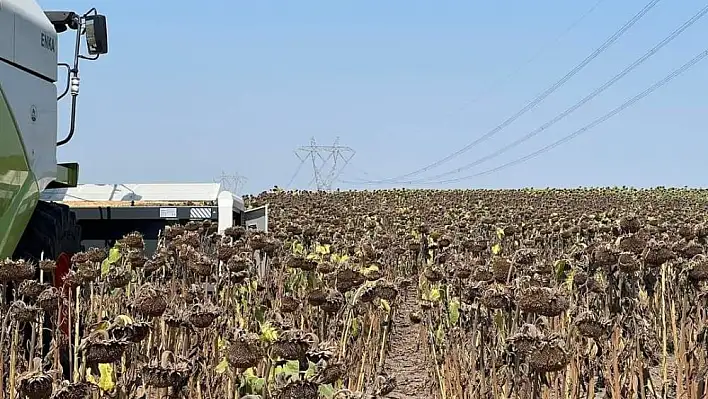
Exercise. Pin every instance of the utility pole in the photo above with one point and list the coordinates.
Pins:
(232, 183)
(328, 162)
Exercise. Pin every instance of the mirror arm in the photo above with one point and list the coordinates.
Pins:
(68, 80)
(83, 57)
(74, 86)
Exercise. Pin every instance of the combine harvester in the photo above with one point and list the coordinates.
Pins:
(29, 72)
(37, 194)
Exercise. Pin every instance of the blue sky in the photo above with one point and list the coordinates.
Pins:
(188, 91)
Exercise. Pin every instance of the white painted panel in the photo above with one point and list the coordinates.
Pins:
(226, 213)
(257, 218)
(7, 34)
(166, 192)
(36, 42)
(29, 95)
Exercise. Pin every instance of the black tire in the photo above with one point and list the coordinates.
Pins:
(51, 231)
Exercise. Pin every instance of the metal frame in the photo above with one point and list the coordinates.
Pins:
(144, 213)
(103, 225)
(108, 212)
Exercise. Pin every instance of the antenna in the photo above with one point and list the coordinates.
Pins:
(328, 162)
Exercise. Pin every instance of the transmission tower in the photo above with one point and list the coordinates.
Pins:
(232, 183)
(328, 162)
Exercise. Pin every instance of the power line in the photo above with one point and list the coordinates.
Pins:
(505, 79)
(538, 53)
(654, 50)
(611, 40)
(593, 124)
(297, 171)
(325, 170)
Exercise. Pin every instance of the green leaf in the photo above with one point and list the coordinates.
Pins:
(311, 370)
(500, 233)
(326, 391)
(221, 367)
(435, 295)
(254, 383)
(496, 249)
(292, 367)
(454, 311)
(113, 257)
(105, 381)
(370, 269)
(298, 248)
(322, 249)
(385, 305)
(268, 333)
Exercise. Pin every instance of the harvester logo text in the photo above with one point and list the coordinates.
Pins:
(48, 42)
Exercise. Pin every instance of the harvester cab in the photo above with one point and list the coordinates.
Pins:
(29, 138)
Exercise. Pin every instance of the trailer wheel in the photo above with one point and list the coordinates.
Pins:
(52, 232)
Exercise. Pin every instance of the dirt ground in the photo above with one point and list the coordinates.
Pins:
(407, 355)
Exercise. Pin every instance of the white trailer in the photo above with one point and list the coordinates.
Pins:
(106, 212)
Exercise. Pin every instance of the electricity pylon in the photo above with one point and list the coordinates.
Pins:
(328, 162)
(232, 183)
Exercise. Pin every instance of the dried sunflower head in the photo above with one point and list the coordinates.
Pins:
(98, 347)
(134, 332)
(77, 390)
(496, 296)
(47, 265)
(169, 373)
(698, 268)
(526, 339)
(299, 389)
(202, 265)
(133, 241)
(244, 351)
(333, 302)
(36, 384)
(16, 270)
(542, 301)
(97, 255)
(347, 279)
(202, 315)
(24, 313)
(591, 326)
(31, 288)
(550, 355)
(49, 299)
(118, 277)
(150, 301)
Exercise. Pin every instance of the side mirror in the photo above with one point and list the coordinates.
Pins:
(96, 34)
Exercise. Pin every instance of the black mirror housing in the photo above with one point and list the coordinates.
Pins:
(96, 34)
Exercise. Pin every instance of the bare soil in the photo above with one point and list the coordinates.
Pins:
(406, 358)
